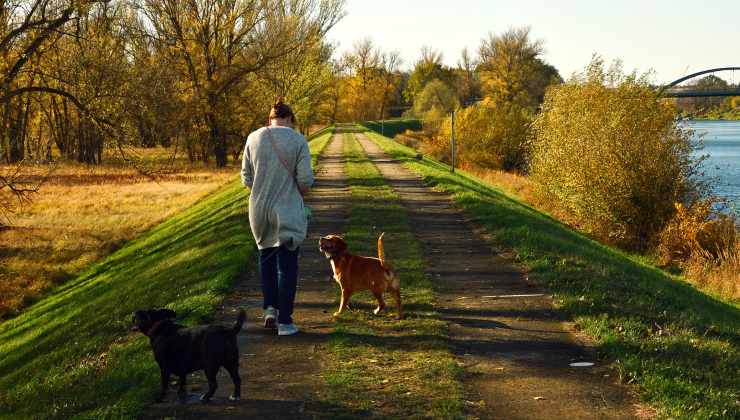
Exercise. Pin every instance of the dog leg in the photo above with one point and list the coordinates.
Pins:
(212, 385)
(164, 382)
(182, 393)
(344, 301)
(381, 302)
(397, 298)
(234, 373)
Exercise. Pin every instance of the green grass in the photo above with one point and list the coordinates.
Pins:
(392, 368)
(390, 128)
(317, 144)
(677, 344)
(72, 354)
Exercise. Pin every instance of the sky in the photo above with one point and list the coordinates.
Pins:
(672, 38)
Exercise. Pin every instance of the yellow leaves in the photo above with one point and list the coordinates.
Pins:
(612, 154)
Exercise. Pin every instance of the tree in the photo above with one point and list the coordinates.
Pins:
(706, 106)
(369, 83)
(28, 30)
(436, 96)
(220, 44)
(389, 63)
(512, 78)
(511, 69)
(429, 67)
(468, 79)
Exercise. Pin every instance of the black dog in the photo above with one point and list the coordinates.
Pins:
(179, 350)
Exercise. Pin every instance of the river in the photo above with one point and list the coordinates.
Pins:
(722, 144)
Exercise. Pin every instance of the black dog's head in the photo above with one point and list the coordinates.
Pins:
(144, 320)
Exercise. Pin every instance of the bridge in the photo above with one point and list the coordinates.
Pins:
(673, 90)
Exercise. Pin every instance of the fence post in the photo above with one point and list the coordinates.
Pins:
(452, 149)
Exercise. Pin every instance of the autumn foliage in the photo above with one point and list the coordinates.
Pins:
(608, 149)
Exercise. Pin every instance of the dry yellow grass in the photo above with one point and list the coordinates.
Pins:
(523, 188)
(721, 275)
(84, 213)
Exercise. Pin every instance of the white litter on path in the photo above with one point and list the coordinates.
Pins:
(581, 364)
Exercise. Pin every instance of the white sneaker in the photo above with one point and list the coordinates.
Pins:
(270, 316)
(287, 329)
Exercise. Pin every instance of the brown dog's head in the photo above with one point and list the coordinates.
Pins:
(144, 320)
(332, 245)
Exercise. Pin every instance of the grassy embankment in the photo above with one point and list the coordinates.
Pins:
(379, 364)
(72, 354)
(680, 346)
(83, 213)
(392, 127)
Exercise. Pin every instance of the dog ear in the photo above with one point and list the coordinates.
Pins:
(341, 244)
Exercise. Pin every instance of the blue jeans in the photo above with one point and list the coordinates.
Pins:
(279, 274)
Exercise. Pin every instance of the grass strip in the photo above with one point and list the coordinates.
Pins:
(318, 143)
(72, 354)
(676, 343)
(398, 369)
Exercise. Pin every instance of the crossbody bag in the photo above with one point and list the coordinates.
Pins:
(306, 209)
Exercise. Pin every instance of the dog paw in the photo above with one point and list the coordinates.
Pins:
(336, 314)
(234, 398)
(204, 399)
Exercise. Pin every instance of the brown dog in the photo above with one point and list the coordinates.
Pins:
(354, 273)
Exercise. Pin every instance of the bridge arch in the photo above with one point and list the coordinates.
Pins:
(676, 82)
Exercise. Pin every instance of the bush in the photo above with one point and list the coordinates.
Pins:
(490, 135)
(704, 242)
(609, 150)
(720, 274)
(698, 230)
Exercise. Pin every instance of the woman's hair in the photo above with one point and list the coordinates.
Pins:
(281, 110)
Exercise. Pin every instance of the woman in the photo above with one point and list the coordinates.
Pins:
(277, 168)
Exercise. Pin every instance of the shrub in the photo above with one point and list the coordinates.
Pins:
(704, 242)
(609, 150)
(719, 273)
(698, 230)
(490, 135)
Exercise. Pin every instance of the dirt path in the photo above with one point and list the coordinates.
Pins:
(516, 350)
(280, 375)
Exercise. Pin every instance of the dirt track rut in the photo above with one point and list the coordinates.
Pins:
(514, 346)
(280, 375)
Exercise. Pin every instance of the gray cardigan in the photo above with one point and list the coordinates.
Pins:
(276, 213)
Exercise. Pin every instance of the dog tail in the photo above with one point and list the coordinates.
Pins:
(239, 322)
(381, 253)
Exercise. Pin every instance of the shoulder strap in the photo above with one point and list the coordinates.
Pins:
(282, 160)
